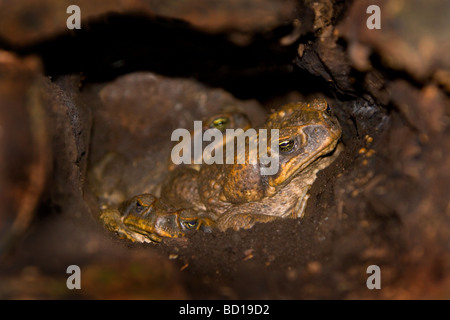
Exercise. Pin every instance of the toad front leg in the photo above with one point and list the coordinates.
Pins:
(245, 216)
(242, 220)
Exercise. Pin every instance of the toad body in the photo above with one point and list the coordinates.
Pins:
(220, 196)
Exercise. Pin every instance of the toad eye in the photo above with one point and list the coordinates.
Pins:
(220, 123)
(328, 109)
(286, 146)
(138, 207)
(190, 224)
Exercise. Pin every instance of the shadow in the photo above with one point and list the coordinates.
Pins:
(116, 44)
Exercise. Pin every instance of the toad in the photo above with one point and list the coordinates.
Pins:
(223, 196)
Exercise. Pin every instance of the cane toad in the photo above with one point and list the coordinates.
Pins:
(231, 119)
(159, 218)
(145, 218)
(224, 196)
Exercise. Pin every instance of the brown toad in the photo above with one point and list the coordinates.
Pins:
(235, 195)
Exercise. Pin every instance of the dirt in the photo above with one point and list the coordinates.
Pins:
(383, 202)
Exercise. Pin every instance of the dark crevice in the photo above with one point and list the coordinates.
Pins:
(115, 45)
